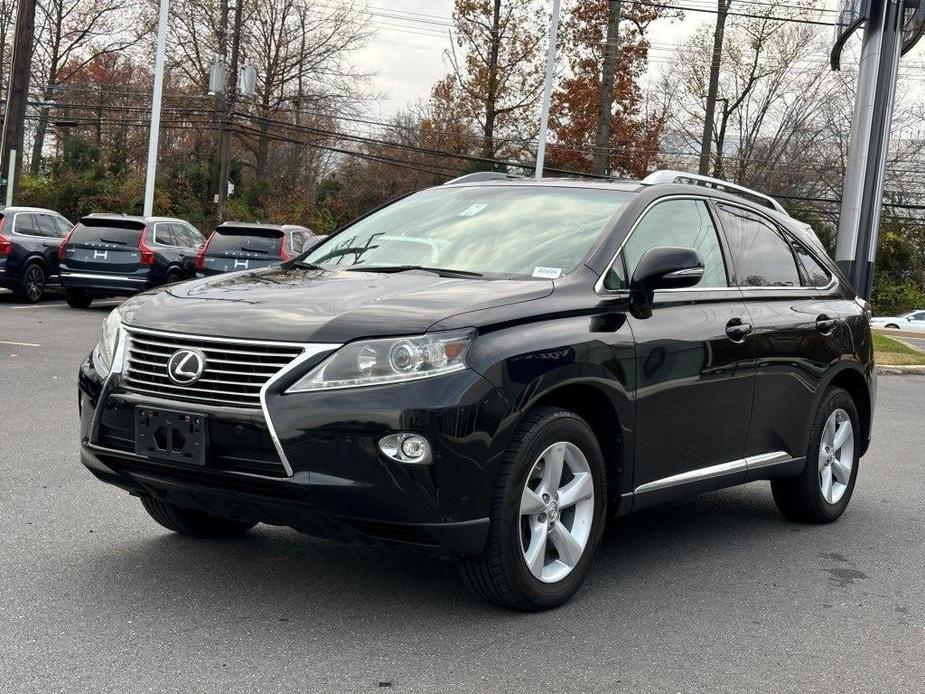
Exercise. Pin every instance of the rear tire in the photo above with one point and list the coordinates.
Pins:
(193, 523)
(820, 494)
(172, 277)
(528, 526)
(31, 287)
(77, 299)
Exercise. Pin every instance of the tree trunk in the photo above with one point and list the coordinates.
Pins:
(491, 97)
(602, 137)
(722, 8)
(14, 118)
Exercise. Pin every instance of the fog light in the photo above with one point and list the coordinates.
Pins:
(406, 448)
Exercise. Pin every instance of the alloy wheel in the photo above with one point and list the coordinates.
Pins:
(35, 283)
(836, 456)
(556, 512)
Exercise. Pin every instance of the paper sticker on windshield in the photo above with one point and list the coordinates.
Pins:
(549, 273)
(473, 210)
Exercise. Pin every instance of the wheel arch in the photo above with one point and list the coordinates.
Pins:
(592, 403)
(851, 378)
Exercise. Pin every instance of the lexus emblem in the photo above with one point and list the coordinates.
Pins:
(185, 366)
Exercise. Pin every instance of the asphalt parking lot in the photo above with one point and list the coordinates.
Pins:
(713, 594)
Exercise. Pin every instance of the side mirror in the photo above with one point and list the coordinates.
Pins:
(663, 267)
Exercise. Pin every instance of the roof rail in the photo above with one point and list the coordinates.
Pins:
(669, 176)
(481, 176)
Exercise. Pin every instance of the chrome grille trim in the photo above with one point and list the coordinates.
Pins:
(287, 356)
(147, 354)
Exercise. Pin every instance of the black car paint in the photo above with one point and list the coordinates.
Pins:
(27, 249)
(89, 268)
(666, 394)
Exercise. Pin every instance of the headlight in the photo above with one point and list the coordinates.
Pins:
(393, 360)
(105, 349)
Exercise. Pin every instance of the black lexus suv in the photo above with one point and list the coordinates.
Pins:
(237, 246)
(29, 241)
(118, 255)
(491, 368)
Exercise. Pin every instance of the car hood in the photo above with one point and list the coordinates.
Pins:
(300, 304)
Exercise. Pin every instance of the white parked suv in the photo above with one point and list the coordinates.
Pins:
(914, 320)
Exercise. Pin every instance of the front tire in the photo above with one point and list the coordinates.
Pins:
(892, 326)
(547, 515)
(77, 299)
(31, 287)
(193, 523)
(822, 492)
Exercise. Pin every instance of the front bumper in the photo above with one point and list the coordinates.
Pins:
(341, 485)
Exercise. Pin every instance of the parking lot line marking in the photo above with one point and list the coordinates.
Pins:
(19, 344)
(20, 308)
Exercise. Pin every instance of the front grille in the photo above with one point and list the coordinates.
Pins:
(235, 370)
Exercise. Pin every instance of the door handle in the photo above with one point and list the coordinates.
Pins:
(825, 325)
(736, 329)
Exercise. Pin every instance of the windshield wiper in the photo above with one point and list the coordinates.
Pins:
(442, 271)
(253, 250)
(113, 241)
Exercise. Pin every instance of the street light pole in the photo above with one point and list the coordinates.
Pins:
(547, 88)
(154, 133)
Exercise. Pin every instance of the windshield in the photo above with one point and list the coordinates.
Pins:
(229, 240)
(509, 230)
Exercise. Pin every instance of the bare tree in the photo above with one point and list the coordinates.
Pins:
(498, 72)
(69, 35)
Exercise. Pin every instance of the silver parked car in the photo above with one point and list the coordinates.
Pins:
(914, 320)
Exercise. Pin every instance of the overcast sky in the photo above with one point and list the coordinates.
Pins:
(410, 38)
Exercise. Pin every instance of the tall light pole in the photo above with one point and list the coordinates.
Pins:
(547, 88)
(154, 133)
(891, 27)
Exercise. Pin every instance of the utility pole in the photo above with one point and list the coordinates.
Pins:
(224, 170)
(602, 137)
(154, 133)
(706, 140)
(547, 88)
(862, 196)
(14, 117)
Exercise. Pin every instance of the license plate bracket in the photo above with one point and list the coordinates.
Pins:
(177, 437)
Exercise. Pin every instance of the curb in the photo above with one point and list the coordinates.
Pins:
(903, 370)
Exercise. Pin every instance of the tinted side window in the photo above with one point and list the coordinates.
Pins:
(685, 223)
(813, 273)
(163, 234)
(45, 226)
(761, 256)
(195, 238)
(62, 225)
(25, 224)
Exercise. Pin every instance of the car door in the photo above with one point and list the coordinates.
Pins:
(46, 226)
(917, 321)
(795, 332)
(693, 382)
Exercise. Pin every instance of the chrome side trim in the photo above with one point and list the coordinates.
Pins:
(755, 462)
(118, 361)
(799, 291)
(751, 462)
(90, 276)
(311, 350)
(703, 473)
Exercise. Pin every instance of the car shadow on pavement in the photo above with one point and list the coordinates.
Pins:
(275, 571)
